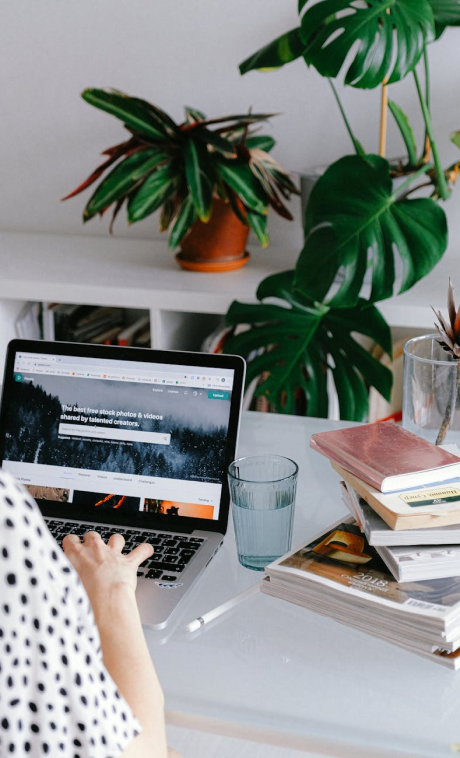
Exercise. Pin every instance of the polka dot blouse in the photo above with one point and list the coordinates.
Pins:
(56, 697)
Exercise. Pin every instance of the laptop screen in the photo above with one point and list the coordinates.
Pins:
(135, 438)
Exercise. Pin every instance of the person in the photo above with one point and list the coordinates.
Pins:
(76, 676)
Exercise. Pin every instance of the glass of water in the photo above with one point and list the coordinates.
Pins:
(262, 491)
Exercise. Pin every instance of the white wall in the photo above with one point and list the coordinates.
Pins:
(173, 52)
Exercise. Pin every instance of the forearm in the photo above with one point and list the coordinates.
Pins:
(127, 659)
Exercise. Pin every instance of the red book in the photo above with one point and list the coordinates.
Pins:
(387, 456)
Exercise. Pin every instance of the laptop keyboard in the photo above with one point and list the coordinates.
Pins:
(172, 553)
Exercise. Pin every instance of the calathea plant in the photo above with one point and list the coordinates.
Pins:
(358, 220)
(182, 168)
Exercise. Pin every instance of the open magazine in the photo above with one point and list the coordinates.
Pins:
(338, 574)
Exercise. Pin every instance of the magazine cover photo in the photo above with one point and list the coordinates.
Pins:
(343, 556)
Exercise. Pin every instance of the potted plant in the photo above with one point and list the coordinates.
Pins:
(431, 396)
(212, 178)
(357, 220)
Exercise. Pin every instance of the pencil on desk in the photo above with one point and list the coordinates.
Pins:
(221, 609)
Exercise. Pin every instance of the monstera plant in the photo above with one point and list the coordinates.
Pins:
(366, 218)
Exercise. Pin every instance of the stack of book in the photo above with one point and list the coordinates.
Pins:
(391, 568)
(101, 325)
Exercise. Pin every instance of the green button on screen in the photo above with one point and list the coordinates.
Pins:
(216, 395)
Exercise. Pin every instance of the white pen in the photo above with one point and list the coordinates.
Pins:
(216, 612)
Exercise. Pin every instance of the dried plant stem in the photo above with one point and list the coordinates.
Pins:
(450, 409)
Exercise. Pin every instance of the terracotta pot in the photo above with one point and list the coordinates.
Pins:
(219, 245)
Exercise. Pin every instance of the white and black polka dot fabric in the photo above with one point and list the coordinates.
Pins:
(56, 697)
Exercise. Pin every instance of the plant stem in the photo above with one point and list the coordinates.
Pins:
(442, 187)
(423, 170)
(383, 119)
(427, 147)
(414, 189)
(449, 412)
(358, 148)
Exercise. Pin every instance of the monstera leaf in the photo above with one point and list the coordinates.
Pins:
(296, 342)
(390, 36)
(354, 216)
(284, 49)
(446, 12)
(387, 37)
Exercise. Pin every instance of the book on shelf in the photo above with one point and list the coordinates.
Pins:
(425, 507)
(65, 317)
(70, 322)
(143, 338)
(107, 337)
(28, 324)
(412, 562)
(127, 336)
(95, 323)
(339, 575)
(379, 533)
(387, 456)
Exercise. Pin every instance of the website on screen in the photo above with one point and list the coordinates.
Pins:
(119, 435)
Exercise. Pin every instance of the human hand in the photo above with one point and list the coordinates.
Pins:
(102, 567)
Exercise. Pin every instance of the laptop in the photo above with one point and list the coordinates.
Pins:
(127, 440)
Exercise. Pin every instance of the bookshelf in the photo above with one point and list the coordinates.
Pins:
(142, 274)
(133, 274)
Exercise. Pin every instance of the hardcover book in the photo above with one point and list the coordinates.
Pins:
(379, 533)
(387, 456)
(415, 508)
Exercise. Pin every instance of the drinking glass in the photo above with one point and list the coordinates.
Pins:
(431, 391)
(262, 491)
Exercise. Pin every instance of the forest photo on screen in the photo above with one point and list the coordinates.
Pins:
(197, 425)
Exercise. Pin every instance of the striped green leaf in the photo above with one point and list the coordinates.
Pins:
(241, 179)
(258, 225)
(221, 144)
(186, 217)
(261, 142)
(137, 115)
(153, 193)
(198, 173)
(123, 179)
(193, 115)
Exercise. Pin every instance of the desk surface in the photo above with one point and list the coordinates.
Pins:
(273, 666)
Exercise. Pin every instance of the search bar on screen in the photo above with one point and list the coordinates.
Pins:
(105, 433)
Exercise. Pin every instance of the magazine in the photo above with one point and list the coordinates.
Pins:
(338, 574)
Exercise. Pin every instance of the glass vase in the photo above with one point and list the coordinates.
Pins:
(431, 391)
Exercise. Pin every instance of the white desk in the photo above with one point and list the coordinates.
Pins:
(273, 671)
